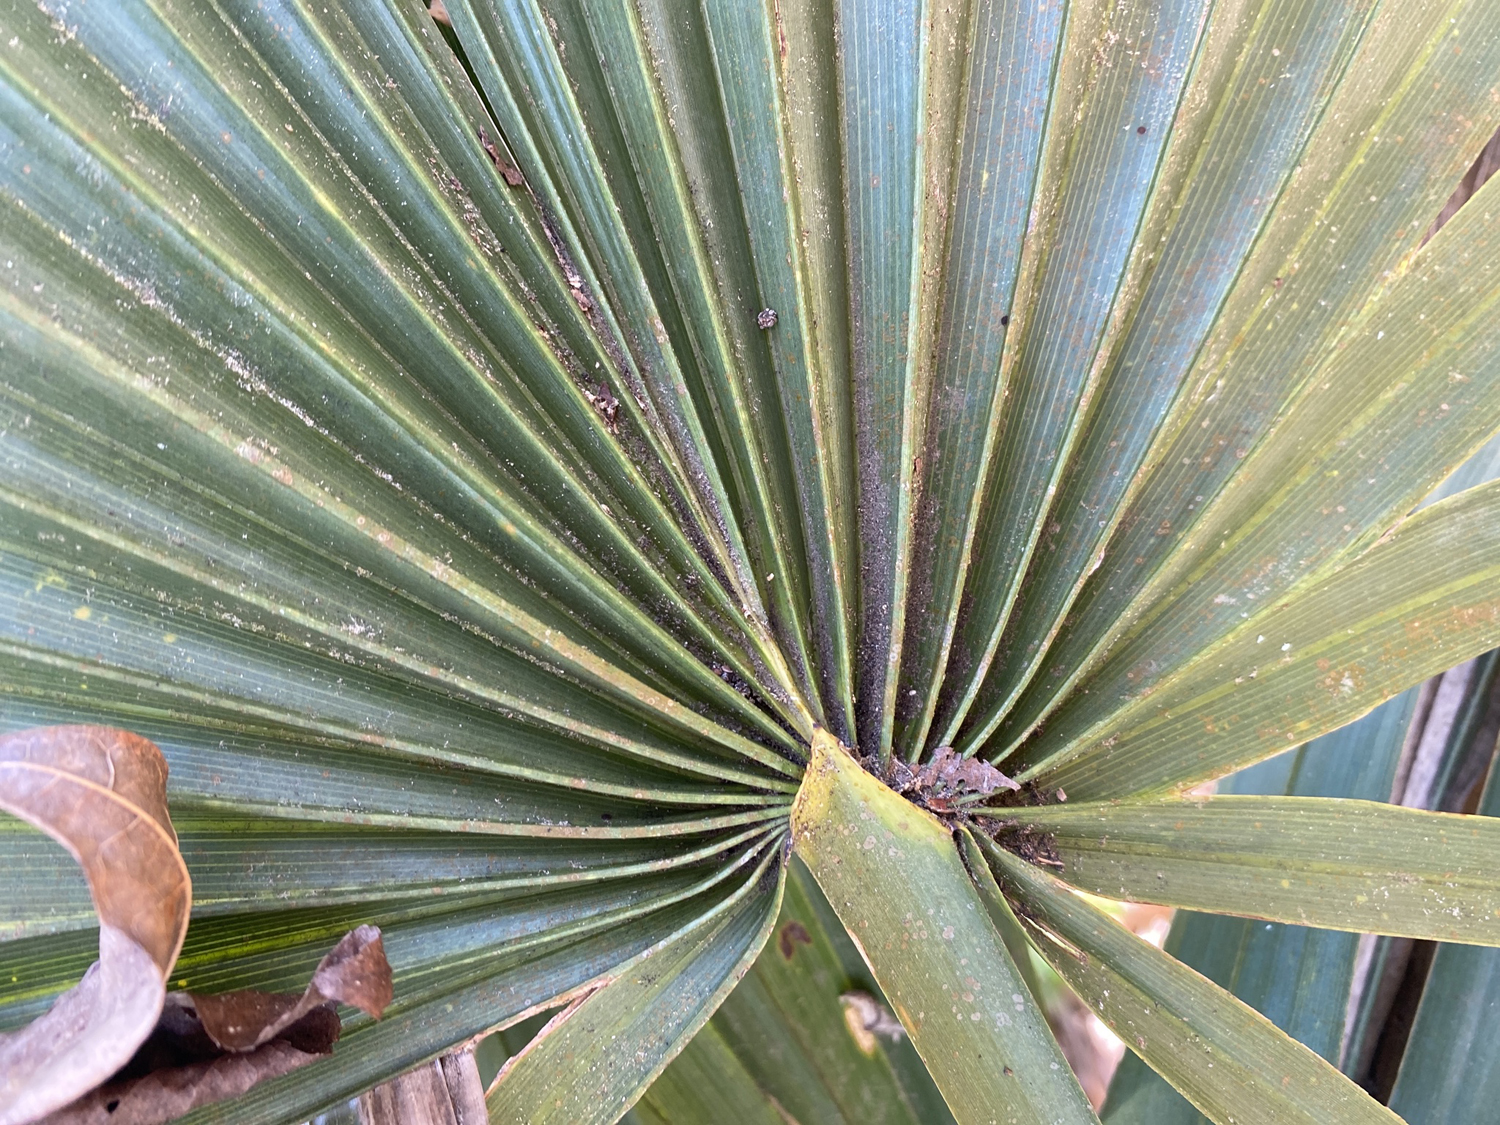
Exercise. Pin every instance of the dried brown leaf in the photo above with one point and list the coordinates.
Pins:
(948, 772)
(354, 972)
(168, 1094)
(503, 164)
(943, 779)
(102, 794)
(208, 1048)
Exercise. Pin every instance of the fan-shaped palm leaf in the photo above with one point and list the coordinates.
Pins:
(502, 481)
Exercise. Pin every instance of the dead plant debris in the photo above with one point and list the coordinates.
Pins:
(866, 1018)
(206, 1048)
(102, 794)
(945, 782)
(118, 1047)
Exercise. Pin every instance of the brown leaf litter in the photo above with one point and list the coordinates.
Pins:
(102, 794)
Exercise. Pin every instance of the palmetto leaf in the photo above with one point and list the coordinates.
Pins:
(1185, 1026)
(1289, 859)
(604, 1049)
(902, 891)
(492, 461)
(1298, 977)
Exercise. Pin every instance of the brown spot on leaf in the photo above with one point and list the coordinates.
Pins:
(791, 934)
(502, 162)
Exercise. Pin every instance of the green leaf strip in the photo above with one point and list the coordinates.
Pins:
(897, 882)
(1426, 597)
(1009, 86)
(260, 865)
(788, 1028)
(524, 78)
(1411, 393)
(1386, 154)
(1235, 140)
(594, 1060)
(1312, 861)
(1449, 1068)
(1109, 126)
(1222, 1055)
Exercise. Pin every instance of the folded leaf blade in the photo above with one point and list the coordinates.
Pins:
(894, 877)
(594, 1060)
(1311, 861)
(1384, 156)
(1422, 599)
(1223, 1056)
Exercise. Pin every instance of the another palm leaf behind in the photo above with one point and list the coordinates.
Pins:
(483, 479)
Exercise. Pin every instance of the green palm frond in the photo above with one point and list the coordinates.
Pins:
(532, 473)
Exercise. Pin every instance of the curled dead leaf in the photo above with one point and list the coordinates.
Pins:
(164, 1095)
(102, 794)
(949, 771)
(208, 1048)
(353, 972)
